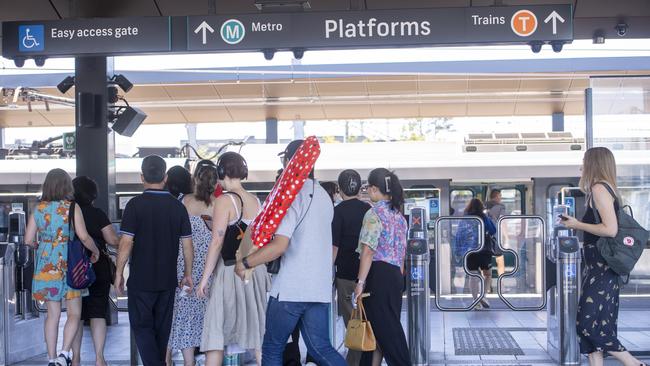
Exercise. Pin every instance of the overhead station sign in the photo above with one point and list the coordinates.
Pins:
(384, 28)
(96, 36)
(282, 31)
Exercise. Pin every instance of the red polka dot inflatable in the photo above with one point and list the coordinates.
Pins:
(284, 192)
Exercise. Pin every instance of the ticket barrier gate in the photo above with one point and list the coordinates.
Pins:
(564, 250)
(417, 251)
(21, 326)
(521, 238)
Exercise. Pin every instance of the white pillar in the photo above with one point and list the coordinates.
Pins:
(298, 130)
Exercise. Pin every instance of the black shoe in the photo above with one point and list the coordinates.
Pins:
(63, 360)
(51, 364)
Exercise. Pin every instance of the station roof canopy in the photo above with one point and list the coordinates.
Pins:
(398, 96)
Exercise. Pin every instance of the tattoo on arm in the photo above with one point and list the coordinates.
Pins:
(221, 233)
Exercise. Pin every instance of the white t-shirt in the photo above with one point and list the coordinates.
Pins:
(306, 270)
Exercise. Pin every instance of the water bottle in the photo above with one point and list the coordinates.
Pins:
(231, 356)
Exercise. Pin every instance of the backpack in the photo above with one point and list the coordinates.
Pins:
(622, 251)
(80, 274)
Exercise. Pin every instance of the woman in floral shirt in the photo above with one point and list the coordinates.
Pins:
(382, 245)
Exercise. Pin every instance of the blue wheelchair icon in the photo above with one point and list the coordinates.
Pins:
(31, 38)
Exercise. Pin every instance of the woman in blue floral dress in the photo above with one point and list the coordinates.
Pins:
(50, 221)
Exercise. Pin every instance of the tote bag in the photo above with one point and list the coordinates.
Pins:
(359, 335)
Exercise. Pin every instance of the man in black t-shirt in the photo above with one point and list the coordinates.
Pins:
(152, 225)
(346, 226)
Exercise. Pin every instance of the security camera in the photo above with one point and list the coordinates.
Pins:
(298, 53)
(557, 46)
(268, 53)
(19, 61)
(40, 61)
(536, 47)
(621, 29)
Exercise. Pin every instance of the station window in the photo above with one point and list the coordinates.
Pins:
(511, 198)
(459, 199)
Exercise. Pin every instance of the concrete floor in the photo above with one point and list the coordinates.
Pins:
(527, 328)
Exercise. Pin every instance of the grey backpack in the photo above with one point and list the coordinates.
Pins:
(622, 251)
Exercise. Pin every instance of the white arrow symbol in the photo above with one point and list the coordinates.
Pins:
(554, 16)
(205, 27)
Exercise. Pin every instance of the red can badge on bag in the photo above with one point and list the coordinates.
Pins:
(284, 192)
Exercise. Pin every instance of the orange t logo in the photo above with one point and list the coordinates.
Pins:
(524, 23)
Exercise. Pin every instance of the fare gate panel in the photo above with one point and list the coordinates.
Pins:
(522, 240)
(457, 238)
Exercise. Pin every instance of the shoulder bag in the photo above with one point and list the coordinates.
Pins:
(80, 274)
(622, 251)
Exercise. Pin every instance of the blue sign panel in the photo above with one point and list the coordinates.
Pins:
(98, 36)
(434, 208)
(417, 274)
(31, 38)
(571, 202)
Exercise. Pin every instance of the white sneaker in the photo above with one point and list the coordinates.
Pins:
(63, 360)
(310, 364)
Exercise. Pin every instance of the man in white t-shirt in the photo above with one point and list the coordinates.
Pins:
(301, 291)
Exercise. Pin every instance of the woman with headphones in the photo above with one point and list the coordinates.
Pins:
(235, 313)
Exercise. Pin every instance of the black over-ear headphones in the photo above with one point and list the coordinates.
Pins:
(221, 170)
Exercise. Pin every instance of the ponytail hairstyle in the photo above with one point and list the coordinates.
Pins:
(388, 184)
(205, 181)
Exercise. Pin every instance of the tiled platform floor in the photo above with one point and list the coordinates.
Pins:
(527, 328)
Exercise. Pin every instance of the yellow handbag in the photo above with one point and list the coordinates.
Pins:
(359, 335)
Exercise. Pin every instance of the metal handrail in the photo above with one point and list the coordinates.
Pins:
(438, 240)
(516, 265)
(565, 190)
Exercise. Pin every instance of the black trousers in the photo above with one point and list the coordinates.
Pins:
(150, 315)
(383, 308)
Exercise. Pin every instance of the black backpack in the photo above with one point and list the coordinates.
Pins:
(622, 251)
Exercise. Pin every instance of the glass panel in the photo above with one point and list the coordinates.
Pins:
(459, 199)
(456, 241)
(523, 285)
(621, 115)
(511, 198)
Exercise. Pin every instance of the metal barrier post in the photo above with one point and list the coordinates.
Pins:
(418, 288)
(333, 312)
(562, 339)
(134, 355)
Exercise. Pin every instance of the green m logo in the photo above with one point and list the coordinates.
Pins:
(232, 31)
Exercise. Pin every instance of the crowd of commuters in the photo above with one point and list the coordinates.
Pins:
(193, 287)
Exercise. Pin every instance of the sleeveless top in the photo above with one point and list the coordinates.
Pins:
(234, 232)
(590, 217)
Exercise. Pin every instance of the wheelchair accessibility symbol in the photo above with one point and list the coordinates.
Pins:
(31, 38)
(417, 274)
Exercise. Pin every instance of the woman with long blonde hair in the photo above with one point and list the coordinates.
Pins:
(598, 306)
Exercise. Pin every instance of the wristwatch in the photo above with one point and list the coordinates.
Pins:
(244, 261)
